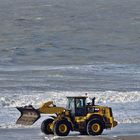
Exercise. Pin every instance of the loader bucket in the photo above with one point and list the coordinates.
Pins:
(29, 115)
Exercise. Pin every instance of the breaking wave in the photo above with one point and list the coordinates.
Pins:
(125, 105)
(35, 98)
(103, 67)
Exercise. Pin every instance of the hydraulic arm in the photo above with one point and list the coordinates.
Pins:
(29, 115)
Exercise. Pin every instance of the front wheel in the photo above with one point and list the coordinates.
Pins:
(61, 128)
(94, 127)
(45, 126)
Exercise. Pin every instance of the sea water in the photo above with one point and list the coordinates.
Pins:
(57, 48)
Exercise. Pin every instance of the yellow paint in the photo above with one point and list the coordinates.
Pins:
(63, 128)
(95, 127)
(49, 108)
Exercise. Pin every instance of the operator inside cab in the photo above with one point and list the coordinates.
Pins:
(79, 103)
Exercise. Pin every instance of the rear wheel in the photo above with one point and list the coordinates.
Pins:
(62, 128)
(45, 126)
(94, 127)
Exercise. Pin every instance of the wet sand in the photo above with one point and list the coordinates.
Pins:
(35, 134)
(102, 138)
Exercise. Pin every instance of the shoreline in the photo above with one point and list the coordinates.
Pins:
(130, 137)
(36, 134)
(121, 132)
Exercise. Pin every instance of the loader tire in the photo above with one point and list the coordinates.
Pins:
(95, 127)
(62, 128)
(45, 126)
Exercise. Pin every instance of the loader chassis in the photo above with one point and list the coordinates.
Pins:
(77, 116)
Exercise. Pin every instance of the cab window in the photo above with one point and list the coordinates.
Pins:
(79, 103)
(70, 104)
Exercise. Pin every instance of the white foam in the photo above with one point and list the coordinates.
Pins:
(36, 98)
(103, 68)
(125, 105)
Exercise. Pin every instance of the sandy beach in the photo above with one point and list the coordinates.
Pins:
(121, 132)
(35, 134)
(102, 138)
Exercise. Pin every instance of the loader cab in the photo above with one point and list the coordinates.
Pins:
(77, 105)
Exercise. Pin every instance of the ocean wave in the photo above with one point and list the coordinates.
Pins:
(36, 98)
(100, 67)
(129, 120)
(125, 105)
(117, 96)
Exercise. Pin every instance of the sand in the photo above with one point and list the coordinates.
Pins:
(35, 134)
(101, 138)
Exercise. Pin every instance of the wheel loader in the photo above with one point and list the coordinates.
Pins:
(86, 118)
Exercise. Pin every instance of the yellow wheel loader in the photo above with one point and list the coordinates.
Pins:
(87, 118)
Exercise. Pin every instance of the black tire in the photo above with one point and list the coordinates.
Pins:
(61, 128)
(45, 126)
(95, 127)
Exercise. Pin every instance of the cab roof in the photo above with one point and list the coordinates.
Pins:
(77, 97)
